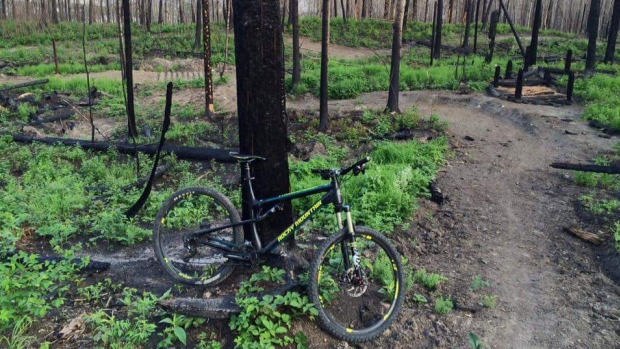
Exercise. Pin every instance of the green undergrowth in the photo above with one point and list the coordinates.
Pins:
(62, 193)
(602, 96)
(30, 288)
(347, 79)
(601, 199)
(266, 322)
(387, 195)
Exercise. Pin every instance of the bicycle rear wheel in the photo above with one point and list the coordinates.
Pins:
(184, 213)
(357, 305)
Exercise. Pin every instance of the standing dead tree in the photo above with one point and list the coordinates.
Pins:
(593, 20)
(323, 93)
(613, 33)
(392, 103)
(261, 104)
(206, 38)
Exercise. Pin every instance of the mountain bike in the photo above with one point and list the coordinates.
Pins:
(356, 279)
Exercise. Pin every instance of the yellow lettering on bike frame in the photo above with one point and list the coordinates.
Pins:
(298, 222)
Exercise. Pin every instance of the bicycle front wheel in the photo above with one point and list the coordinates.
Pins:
(357, 304)
(182, 255)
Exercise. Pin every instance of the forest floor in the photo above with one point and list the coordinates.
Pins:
(503, 220)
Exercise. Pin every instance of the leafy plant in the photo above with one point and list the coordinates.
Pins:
(120, 333)
(598, 207)
(429, 281)
(176, 329)
(477, 283)
(489, 301)
(418, 298)
(31, 288)
(443, 305)
(474, 341)
(18, 338)
(616, 232)
(265, 322)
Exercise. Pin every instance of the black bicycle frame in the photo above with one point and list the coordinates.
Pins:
(332, 196)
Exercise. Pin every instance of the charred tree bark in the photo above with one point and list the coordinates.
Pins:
(131, 114)
(187, 153)
(54, 12)
(148, 16)
(468, 19)
(512, 27)
(450, 10)
(206, 37)
(386, 9)
(438, 29)
(397, 39)
(261, 103)
(405, 15)
(492, 32)
(613, 33)
(160, 15)
(593, 19)
(181, 13)
(323, 94)
(486, 13)
(476, 26)
(107, 8)
(535, 31)
(296, 56)
(91, 12)
(198, 22)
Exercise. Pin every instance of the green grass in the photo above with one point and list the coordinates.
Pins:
(387, 195)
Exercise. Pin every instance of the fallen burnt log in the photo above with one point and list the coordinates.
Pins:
(59, 117)
(513, 82)
(587, 168)
(91, 266)
(216, 308)
(181, 152)
(24, 84)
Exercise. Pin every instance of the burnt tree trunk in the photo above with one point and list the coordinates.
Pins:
(468, 19)
(160, 15)
(198, 22)
(535, 31)
(397, 39)
(131, 114)
(613, 33)
(261, 103)
(296, 56)
(486, 12)
(107, 8)
(323, 93)
(477, 17)
(405, 15)
(438, 28)
(450, 10)
(91, 12)
(593, 19)
(148, 16)
(206, 38)
(54, 12)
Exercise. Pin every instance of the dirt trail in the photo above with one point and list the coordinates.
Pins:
(508, 208)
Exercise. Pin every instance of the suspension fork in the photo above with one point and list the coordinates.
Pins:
(346, 252)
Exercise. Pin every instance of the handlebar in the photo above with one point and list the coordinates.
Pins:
(357, 168)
